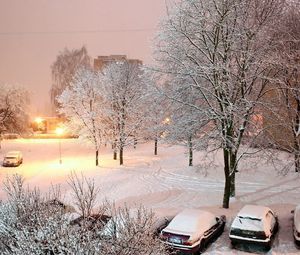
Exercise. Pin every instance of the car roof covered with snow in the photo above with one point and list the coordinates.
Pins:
(191, 222)
(297, 218)
(254, 211)
(12, 153)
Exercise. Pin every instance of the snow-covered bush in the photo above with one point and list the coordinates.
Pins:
(32, 223)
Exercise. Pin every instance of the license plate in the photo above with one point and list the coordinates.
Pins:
(175, 240)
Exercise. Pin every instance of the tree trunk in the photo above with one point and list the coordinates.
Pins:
(296, 155)
(121, 154)
(226, 195)
(232, 173)
(114, 147)
(155, 146)
(97, 161)
(190, 151)
(134, 142)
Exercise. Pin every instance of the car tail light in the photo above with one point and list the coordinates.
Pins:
(187, 242)
(163, 236)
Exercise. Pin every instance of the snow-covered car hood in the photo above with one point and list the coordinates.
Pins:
(297, 218)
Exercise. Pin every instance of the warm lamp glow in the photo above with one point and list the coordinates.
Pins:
(38, 120)
(59, 131)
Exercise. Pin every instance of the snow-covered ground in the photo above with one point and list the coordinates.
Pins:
(164, 183)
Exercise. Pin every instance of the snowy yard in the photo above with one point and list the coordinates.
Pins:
(164, 183)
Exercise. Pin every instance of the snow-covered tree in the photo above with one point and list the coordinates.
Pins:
(124, 92)
(220, 49)
(82, 104)
(14, 103)
(184, 126)
(156, 113)
(32, 223)
(64, 68)
(285, 113)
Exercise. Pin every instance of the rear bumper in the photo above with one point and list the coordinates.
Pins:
(239, 239)
(182, 248)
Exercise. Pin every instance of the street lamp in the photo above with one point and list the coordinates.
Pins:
(59, 131)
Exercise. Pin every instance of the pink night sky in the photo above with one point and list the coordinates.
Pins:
(33, 32)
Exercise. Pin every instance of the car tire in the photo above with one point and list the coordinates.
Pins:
(233, 243)
(268, 246)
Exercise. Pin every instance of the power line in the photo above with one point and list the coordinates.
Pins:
(134, 30)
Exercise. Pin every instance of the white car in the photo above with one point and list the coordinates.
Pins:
(296, 226)
(192, 229)
(254, 224)
(13, 158)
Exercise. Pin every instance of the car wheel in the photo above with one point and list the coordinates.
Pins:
(202, 246)
(233, 243)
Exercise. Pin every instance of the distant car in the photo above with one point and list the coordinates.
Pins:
(296, 226)
(191, 230)
(13, 158)
(254, 224)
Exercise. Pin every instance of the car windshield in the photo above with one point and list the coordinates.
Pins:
(248, 223)
(11, 157)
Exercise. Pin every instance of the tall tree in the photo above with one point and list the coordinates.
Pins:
(82, 105)
(156, 113)
(14, 103)
(220, 49)
(286, 113)
(124, 91)
(64, 69)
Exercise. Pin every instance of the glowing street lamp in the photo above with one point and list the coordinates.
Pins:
(59, 132)
(38, 120)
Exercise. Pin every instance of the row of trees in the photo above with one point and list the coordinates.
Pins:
(111, 106)
(224, 68)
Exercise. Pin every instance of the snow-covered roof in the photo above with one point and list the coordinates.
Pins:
(13, 153)
(297, 218)
(253, 211)
(191, 222)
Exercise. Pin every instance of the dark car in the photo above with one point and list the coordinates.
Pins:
(191, 230)
(254, 224)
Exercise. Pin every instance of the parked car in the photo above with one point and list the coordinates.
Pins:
(296, 225)
(191, 230)
(254, 224)
(13, 158)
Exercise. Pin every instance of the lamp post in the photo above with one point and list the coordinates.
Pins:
(59, 131)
